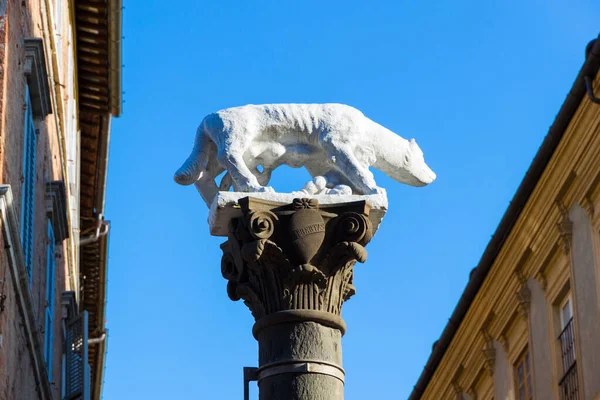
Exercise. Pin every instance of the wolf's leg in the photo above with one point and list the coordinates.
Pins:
(358, 175)
(334, 178)
(263, 177)
(243, 179)
(206, 184)
(226, 183)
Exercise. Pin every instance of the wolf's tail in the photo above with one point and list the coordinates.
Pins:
(193, 167)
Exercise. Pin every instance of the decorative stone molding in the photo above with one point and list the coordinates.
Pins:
(541, 278)
(524, 299)
(520, 266)
(295, 261)
(503, 340)
(565, 230)
(489, 356)
(588, 205)
(37, 77)
(456, 386)
(458, 392)
(56, 209)
(489, 351)
(485, 327)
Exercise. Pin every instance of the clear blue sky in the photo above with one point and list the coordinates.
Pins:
(478, 86)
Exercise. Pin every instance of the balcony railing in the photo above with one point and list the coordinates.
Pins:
(569, 385)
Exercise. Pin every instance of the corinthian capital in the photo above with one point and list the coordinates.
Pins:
(565, 229)
(524, 300)
(295, 257)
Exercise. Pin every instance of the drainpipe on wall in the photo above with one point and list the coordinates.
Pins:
(102, 229)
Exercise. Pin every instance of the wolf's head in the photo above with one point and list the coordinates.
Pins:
(409, 166)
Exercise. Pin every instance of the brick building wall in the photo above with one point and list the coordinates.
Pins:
(20, 19)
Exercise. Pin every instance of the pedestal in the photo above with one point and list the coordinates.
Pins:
(293, 266)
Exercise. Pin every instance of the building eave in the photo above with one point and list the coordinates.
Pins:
(115, 23)
(97, 351)
(98, 32)
(574, 98)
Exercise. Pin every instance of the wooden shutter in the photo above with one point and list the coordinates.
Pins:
(28, 188)
(50, 275)
(77, 368)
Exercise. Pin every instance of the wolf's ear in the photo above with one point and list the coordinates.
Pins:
(414, 147)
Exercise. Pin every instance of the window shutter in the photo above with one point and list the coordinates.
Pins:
(77, 368)
(28, 192)
(49, 330)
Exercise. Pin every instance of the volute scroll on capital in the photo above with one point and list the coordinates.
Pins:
(297, 256)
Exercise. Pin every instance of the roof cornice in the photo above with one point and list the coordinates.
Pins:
(512, 214)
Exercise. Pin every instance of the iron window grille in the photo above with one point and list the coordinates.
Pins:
(568, 384)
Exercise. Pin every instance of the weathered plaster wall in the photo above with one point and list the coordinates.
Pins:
(586, 302)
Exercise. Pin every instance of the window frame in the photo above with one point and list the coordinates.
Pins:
(524, 359)
(568, 299)
(568, 381)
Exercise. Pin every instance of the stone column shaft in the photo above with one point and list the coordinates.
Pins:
(293, 346)
(293, 266)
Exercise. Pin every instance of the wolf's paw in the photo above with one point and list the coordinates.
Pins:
(265, 189)
(377, 190)
(340, 189)
(316, 186)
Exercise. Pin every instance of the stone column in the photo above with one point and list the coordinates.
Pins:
(293, 266)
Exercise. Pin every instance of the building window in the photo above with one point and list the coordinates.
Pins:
(568, 384)
(523, 377)
(49, 329)
(28, 185)
(77, 368)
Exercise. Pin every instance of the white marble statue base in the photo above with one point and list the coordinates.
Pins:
(225, 206)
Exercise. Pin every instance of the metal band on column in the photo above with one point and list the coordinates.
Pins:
(301, 367)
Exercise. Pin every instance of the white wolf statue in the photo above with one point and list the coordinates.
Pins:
(336, 144)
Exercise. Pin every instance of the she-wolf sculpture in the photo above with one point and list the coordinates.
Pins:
(333, 141)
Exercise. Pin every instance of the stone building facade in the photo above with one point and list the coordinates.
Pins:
(60, 80)
(528, 323)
